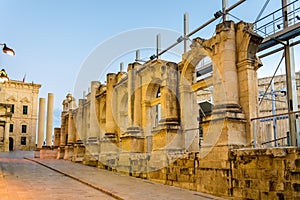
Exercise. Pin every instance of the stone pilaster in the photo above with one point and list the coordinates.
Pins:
(93, 130)
(71, 128)
(56, 137)
(167, 135)
(132, 139)
(6, 136)
(247, 64)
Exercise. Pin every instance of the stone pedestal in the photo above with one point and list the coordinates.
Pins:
(60, 152)
(92, 148)
(79, 152)
(37, 153)
(167, 137)
(108, 152)
(48, 152)
(69, 151)
(132, 140)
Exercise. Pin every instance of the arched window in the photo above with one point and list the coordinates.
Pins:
(156, 108)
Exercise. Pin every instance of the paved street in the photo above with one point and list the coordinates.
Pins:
(26, 179)
(22, 179)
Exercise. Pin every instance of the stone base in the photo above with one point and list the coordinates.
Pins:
(69, 151)
(60, 152)
(37, 153)
(48, 153)
(91, 154)
(132, 144)
(108, 161)
(79, 151)
(165, 138)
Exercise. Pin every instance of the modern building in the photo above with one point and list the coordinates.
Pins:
(19, 120)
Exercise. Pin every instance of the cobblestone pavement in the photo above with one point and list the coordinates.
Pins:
(30, 180)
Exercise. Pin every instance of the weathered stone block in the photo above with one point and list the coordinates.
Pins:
(251, 194)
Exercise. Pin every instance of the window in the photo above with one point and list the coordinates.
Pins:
(11, 128)
(158, 114)
(24, 128)
(158, 93)
(12, 108)
(23, 140)
(25, 109)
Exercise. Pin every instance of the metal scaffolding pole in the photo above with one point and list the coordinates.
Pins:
(224, 8)
(290, 81)
(185, 30)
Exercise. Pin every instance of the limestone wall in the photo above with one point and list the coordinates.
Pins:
(251, 173)
(266, 173)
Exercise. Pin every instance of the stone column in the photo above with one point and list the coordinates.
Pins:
(63, 129)
(41, 123)
(137, 103)
(6, 136)
(94, 129)
(49, 125)
(226, 91)
(169, 101)
(110, 121)
(131, 87)
(247, 64)
(71, 134)
(132, 140)
(56, 142)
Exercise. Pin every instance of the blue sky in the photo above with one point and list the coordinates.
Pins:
(52, 38)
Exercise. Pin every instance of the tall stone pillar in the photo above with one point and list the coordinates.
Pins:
(63, 133)
(94, 130)
(132, 140)
(131, 87)
(111, 80)
(6, 136)
(247, 65)
(137, 102)
(71, 130)
(56, 142)
(166, 135)
(169, 98)
(91, 156)
(41, 123)
(49, 125)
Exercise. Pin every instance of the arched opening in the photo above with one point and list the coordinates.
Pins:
(11, 144)
(156, 109)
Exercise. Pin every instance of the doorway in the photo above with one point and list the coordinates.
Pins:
(11, 144)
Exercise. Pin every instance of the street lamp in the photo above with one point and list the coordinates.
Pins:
(7, 50)
(3, 76)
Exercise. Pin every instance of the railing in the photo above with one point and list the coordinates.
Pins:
(272, 130)
(273, 22)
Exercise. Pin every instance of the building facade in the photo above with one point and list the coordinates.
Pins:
(22, 100)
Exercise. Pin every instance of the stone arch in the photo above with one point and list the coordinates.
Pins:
(188, 99)
(151, 92)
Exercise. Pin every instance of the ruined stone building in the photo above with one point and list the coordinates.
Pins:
(18, 118)
(146, 122)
